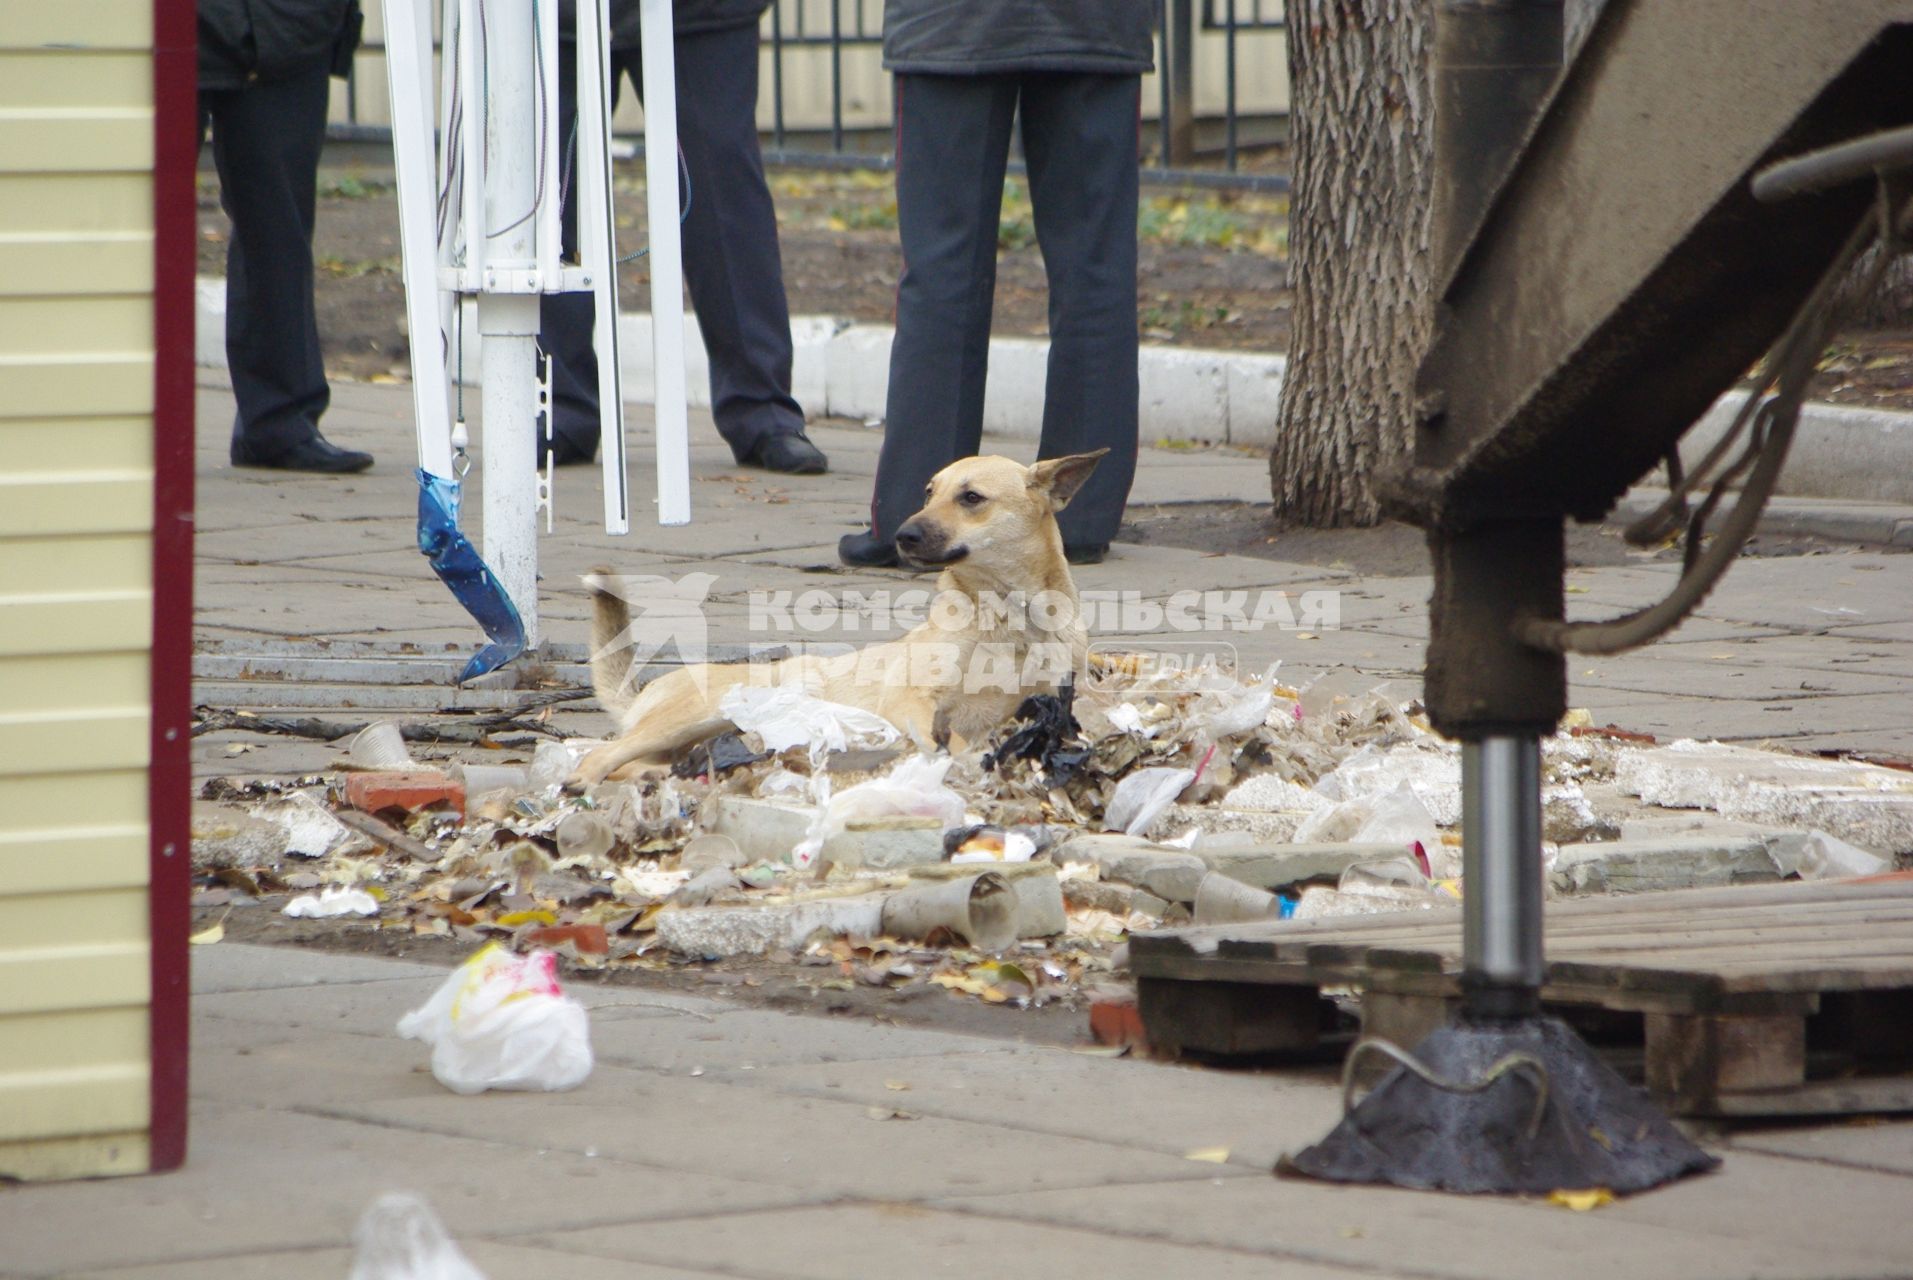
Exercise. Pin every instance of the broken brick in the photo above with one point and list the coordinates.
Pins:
(1117, 1021)
(587, 939)
(409, 790)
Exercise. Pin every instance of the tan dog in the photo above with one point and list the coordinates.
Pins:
(1005, 624)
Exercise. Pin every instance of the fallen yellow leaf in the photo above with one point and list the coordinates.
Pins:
(1208, 1155)
(214, 932)
(1582, 1201)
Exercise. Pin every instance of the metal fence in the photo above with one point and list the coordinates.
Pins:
(827, 100)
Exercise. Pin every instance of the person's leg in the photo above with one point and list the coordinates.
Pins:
(731, 259)
(266, 142)
(567, 320)
(953, 137)
(1079, 137)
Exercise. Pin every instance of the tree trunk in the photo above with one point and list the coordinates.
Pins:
(1362, 131)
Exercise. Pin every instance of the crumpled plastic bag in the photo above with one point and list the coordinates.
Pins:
(1374, 770)
(787, 715)
(1815, 855)
(400, 1238)
(501, 1021)
(913, 789)
(1140, 798)
(1401, 818)
(333, 900)
(1243, 708)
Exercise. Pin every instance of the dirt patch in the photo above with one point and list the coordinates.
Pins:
(762, 983)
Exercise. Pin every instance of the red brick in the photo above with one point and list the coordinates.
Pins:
(1117, 1021)
(410, 791)
(589, 939)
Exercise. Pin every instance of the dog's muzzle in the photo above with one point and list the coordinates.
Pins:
(926, 545)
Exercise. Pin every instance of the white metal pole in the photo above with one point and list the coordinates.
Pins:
(409, 58)
(667, 264)
(506, 93)
(598, 251)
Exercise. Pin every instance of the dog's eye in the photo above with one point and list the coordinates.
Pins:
(971, 498)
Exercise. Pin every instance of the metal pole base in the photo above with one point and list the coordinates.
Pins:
(1518, 1107)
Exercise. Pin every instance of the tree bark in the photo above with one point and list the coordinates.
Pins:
(1362, 131)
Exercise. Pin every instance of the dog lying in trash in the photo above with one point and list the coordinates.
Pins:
(1005, 623)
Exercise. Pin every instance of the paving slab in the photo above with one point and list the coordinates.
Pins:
(1453, 1237)
(1863, 1142)
(1254, 1116)
(910, 1240)
(262, 1178)
(490, 1257)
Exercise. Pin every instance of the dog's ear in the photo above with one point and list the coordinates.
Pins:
(1060, 478)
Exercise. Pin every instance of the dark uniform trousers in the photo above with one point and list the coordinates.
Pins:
(731, 260)
(1080, 144)
(266, 140)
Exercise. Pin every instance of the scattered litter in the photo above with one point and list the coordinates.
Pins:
(784, 716)
(380, 746)
(1142, 796)
(1046, 734)
(501, 1021)
(400, 1238)
(311, 831)
(995, 874)
(333, 900)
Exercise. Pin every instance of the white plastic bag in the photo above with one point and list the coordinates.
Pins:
(333, 900)
(1140, 798)
(400, 1238)
(787, 716)
(914, 789)
(501, 1021)
(1819, 856)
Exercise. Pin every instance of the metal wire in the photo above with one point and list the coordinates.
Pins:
(1518, 1061)
(1773, 420)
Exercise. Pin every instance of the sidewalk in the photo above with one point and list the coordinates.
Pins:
(1807, 652)
(718, 1141)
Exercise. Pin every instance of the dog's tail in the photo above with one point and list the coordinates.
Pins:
(610, 642)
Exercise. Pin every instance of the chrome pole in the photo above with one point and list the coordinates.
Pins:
(1501, 875)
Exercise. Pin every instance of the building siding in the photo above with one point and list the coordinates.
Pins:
(76, 576)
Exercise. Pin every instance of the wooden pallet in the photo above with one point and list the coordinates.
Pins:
(1781, 999)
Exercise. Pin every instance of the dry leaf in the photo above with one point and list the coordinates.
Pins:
(212, 933)
(1582, 1201)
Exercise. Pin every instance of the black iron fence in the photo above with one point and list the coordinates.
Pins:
(813, 120)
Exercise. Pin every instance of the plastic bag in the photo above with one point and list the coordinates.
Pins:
(333, 900)
(914, 789)
(1819, 856)
(501, 1021)
(785, 716)
(400, 1238)
(1140, 798)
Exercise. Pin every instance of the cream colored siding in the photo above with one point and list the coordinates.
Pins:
(76, 569)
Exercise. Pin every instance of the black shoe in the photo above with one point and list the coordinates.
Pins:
(867, 551)
(317, 454)
(790, 452)
(1088, 553)
(567, 452)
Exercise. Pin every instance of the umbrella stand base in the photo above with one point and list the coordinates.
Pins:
(1515, 1107)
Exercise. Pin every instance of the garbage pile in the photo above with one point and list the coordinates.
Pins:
(1011, 872)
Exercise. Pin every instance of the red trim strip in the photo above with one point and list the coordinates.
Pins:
(175, 158)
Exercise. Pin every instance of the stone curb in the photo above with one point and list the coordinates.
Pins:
(1188, 395)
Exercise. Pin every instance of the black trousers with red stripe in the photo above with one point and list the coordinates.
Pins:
(1080, 144)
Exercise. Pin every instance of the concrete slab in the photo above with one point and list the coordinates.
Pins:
(815, 1148)
(490, 1257)
(229, 967)
(261, 1179)
(898, 1239)
(1867, 1142)
(1463, 1237)
(1153, 1106)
